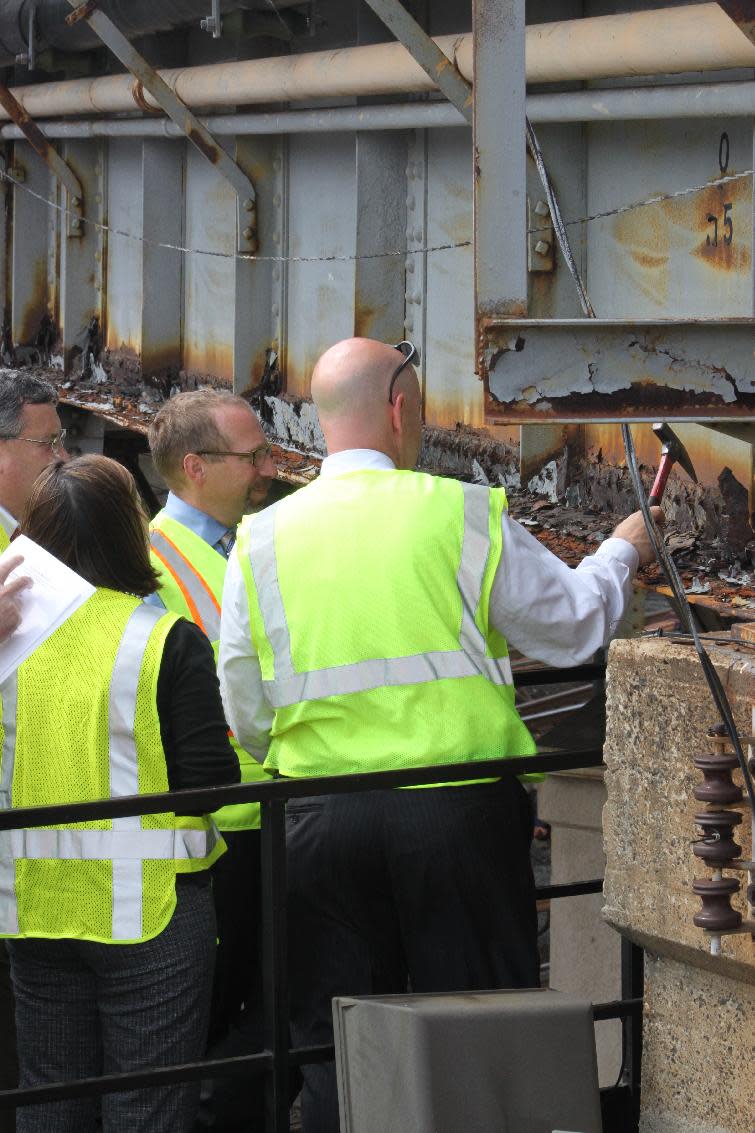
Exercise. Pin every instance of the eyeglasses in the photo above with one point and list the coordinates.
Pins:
(56, 443)
(411, 354)
(255, 456)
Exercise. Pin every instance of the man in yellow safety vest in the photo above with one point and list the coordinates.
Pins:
(210, 449)
(31, 437)
(364, 628)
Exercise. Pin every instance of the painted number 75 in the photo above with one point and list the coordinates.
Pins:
(727, 226)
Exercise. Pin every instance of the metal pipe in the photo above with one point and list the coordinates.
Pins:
(712, 100)
(698, 37)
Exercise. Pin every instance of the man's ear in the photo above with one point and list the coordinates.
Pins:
(194, 469)
(397, 412)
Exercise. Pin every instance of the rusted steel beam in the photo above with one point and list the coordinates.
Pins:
(52, 159)
(742, 12)
(571, 370)
(179, 113)
(431, 59)
(499, 169)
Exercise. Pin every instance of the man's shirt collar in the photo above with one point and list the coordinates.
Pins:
(203, 525)
(355, 460)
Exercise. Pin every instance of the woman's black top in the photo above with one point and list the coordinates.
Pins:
(192, 725)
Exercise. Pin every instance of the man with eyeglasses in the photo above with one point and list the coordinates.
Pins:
(30, 439)
(363, 629)
(211, 451)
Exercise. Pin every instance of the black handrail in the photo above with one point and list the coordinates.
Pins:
(276, 1059)
(209, 799)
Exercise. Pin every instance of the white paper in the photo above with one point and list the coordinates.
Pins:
(55, 593)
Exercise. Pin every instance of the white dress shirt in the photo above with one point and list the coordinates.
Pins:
(546, 610)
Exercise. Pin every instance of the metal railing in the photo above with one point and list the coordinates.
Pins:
(276, 1059)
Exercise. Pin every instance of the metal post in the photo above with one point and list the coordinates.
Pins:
(274, 964)
(500, 199)
(632, 987)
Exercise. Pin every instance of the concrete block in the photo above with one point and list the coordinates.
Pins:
(699, 1015)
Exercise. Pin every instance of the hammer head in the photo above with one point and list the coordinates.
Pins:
(673, 446)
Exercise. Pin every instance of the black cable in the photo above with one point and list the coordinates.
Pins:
(664, 558)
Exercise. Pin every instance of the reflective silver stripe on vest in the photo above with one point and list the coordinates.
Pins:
(264, 564)
(8, 900)
(191, 583)
(112, 845)
(365, 675)
(127, 887)
(474, 557)
(289, 688)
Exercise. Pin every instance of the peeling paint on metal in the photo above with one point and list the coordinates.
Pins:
(550, 365)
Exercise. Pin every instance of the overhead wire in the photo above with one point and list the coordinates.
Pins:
(656, 539)
(561, 234)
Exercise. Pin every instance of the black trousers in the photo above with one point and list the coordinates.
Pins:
(427, 890)
(231, 1104)
(8, 1060)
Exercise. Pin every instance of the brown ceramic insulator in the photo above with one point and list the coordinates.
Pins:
(718, 788)
(717, 846)
(716, 914)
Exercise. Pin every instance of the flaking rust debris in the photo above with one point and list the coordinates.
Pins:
(711, 573)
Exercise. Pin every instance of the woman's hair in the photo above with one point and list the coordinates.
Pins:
(87, 513)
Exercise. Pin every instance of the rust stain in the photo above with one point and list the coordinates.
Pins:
(83, 12)
(25, 329)
(714, 226)
(210, 151)
(211, 358)
(708, 450)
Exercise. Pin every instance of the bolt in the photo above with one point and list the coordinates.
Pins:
(76, 201)
(75, 222)
(248, 204)
(541, 208)
(248, 233)
(542, 247)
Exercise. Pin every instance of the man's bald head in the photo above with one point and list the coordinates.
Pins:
(350, 389)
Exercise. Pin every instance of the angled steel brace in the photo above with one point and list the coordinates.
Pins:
(51, 158)
(742, 12)
(178, 112)
(425, 52)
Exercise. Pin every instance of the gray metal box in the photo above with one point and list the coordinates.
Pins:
(467, 1062)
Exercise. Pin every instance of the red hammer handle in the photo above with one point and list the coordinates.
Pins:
(656, 492)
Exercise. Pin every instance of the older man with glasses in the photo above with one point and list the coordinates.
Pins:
(363, 629)
(30, 439)
(211, 451)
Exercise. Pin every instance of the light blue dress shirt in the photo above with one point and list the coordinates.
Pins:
(203, 525)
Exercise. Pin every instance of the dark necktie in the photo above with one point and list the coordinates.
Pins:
(227, 541)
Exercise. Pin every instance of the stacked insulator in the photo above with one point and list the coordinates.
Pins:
(717, 847)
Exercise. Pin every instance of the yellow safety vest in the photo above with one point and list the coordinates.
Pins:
(79, 723)
(192, 574)
(368, 605)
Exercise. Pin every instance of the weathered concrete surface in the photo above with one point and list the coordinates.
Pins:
(699, 1022)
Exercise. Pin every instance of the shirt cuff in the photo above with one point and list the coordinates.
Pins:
(622, 550)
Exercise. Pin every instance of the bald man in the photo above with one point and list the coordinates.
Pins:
(364, 628)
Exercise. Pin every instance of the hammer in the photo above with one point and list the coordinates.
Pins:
(672, 452)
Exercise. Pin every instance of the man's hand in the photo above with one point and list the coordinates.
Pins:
(10, 612)
(633, 530)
